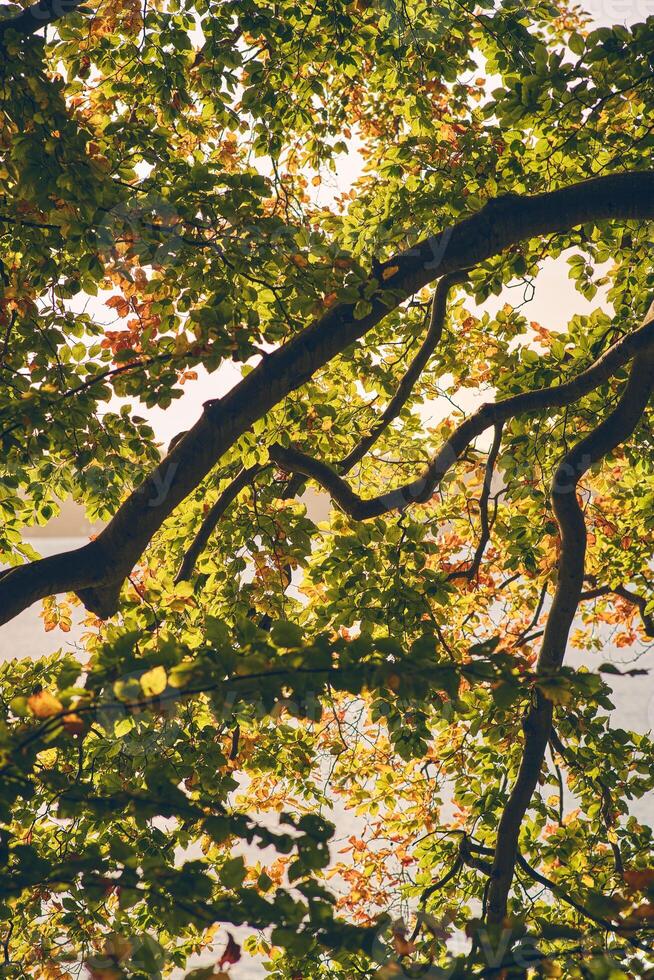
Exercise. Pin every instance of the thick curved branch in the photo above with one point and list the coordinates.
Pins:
(97, 575)
(39, 15)
(617, 427)
(496, 413)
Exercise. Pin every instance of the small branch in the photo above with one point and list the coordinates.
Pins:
(472, 571)
(437, 885)
(539, 608)
(606, 811)
(211, 519)
(640, 601)
(569, 900)
(417, 366)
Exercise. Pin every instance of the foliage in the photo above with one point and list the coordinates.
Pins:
(178, 772)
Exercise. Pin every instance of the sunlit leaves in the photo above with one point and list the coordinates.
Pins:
(177, 162)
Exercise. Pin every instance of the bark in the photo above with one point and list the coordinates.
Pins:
(497, 413)
(97, 571)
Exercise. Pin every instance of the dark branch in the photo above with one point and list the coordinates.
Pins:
(617, 427)
(539, 608)
(97, 572)
(211, 519)
(640, 601)
(39, 15)
(417, 366)
(569, 900)
(497, 413)
(485, 522)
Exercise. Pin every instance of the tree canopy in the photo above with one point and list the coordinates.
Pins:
(246, 676)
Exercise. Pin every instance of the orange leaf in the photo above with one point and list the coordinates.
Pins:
(44, 704)
(73, 724)
(390, 271)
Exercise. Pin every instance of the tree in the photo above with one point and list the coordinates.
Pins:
(406, 659)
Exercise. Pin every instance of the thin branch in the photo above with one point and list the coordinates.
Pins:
(640, 601)
(606, 809)
(569, 900)
(417, 366)
(472, 571)
(211, 519)
(538, 610)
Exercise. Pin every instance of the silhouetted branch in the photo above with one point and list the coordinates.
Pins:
(96, 572)
(494, 413)
(617, 427)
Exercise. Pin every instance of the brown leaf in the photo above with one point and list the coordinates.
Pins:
(44, 705)
(639, 880)
(73, 724)
(232, 952)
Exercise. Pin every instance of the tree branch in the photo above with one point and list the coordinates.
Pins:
(417, 366)
(39, 15)
(211, 519)
(497, 413)
(393, 409)
(565, 897)
(97, 571)
(617, 427)
(640, 601)
(470, 572)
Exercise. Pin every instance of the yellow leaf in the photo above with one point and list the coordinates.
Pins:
(44, 705)
(390, 271)
(154, 681)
